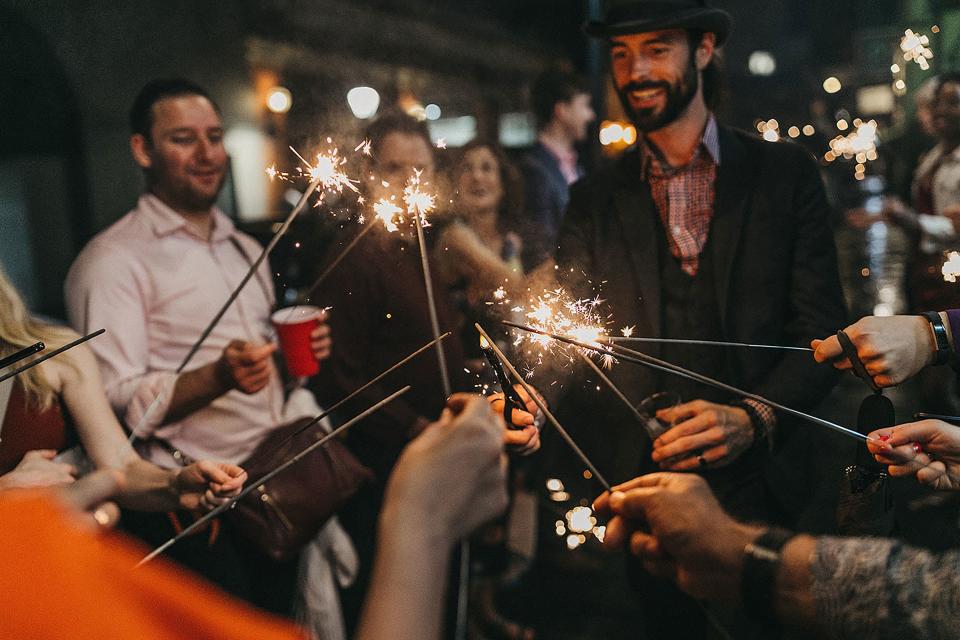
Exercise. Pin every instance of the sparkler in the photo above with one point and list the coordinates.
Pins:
(616, 390)
(555, 311)
(419, 204)
(333, 263)
(636, 357)
(708, 343)
(546, 412)
(47, 356)
(642, 359)
(253, 486)
(26, 352)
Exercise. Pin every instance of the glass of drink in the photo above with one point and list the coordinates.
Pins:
(649, 407)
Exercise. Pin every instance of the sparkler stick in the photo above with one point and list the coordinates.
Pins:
(543, 407)
(338, 259)
(708, 343)
(432, 307)
(55, 352)
(267, 476)
(636, 357)
(616, 390)
(353, 394)
(26, 352)
(629, 355)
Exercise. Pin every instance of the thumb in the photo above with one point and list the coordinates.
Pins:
(47, 454)
(92, 490)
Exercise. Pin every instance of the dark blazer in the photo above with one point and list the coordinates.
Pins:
(546, 194)
(775, 275)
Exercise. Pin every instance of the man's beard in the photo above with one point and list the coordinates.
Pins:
(678, 99)
(183, 196)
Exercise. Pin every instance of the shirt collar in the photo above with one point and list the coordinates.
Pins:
(165, 221)
(710, 141)
(568, 156)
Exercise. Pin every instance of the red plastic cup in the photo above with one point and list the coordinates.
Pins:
(294, 326)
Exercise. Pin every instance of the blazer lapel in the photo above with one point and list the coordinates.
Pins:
(636, 209)
(734, 178)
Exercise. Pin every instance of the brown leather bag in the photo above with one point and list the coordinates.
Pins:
(286, 512)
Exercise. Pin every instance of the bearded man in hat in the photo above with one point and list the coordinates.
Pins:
(704, 232)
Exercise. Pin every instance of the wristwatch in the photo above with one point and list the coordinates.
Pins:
(942, 354)
(761, 558)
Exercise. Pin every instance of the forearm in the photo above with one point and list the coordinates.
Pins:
(195, 390)
(148, 487)
(406, 596)
(793, 599)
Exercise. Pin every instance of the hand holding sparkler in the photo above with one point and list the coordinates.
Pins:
(675, 525)
(892, 348)
(932, 444)
(425, 513)
(706, 434)
(465, 442)
(207, 484)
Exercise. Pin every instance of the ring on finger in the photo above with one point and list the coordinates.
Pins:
(702, 460)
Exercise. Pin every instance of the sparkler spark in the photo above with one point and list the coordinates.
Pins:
(419, 202)
(364, 148)
(555, 311)
(389, 214)
(327, 169)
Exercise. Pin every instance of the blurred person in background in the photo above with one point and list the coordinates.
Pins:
(561, 105)
(478, 253)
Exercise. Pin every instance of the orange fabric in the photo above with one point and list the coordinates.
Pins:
(61, 579)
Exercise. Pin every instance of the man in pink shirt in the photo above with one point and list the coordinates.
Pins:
(154, 279)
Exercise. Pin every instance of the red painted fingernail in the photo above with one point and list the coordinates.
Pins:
(916, 447)
(885, 438)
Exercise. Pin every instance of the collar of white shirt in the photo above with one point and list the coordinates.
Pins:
(165, 221)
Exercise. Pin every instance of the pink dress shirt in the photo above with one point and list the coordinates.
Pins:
(154, 283)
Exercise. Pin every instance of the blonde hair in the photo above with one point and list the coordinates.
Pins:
(18, 329)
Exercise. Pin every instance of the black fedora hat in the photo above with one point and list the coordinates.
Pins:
(638, 16)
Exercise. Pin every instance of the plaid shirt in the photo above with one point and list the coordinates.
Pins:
(684, 197)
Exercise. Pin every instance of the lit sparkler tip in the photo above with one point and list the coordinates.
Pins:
(272, 171)
(388, 213)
